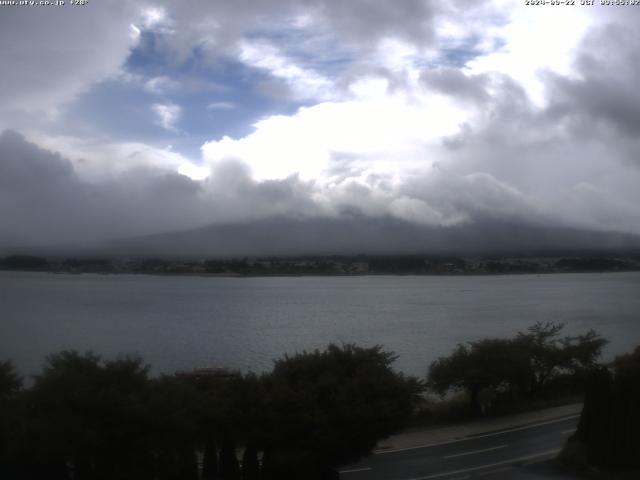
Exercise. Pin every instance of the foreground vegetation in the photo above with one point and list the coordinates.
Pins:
(606, 443)
(87, 418)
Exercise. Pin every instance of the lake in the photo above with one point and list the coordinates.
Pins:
(179, 323)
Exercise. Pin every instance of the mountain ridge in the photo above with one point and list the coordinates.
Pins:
(281, 236)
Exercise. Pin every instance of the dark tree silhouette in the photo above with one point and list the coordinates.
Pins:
(474, 367)
(210, 459)
(11, 424)
(250, 464)
(331, 407)
(10, 381)
(550, 355)
(89, 418)
(610, 420)
(85, 418)
(523, 365)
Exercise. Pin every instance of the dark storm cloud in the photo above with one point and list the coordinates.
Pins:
(44, 202)
(39, 194)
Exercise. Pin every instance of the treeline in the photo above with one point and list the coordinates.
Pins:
(86, 418)
(328, 265)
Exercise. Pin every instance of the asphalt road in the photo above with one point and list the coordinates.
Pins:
(521, 452)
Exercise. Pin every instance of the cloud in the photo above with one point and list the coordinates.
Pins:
(46, 200)
(96, 158)
(532, 41)
(453, 145)
(359, 21)
(304, 83)
(168, 115)
(435, 115)
(600, 95)
(161, 85)
(457, 84)
(314, 47)
(51, 55)
(384, 135)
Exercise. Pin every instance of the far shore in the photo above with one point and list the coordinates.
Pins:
(332, 265)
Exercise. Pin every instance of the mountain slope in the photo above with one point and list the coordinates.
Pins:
(326, 236)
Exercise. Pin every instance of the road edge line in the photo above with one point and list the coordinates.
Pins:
(484, 435)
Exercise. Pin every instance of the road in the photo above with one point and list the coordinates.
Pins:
(518, 452)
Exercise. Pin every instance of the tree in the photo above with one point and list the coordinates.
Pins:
(522, 365)
(10, 381)
(86, 418)
(327, 408)
(229, 467)
(250, 464)
(609, 424)
(229, 411)
(11, 419)
(551, 356)
(175, 404)
(474, 367)
(90, 416)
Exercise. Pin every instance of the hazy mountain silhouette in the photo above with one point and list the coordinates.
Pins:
(359, 234)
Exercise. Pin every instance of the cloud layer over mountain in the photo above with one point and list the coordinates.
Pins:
(153, 117)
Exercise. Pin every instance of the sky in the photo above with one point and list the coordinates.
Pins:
(122, 119)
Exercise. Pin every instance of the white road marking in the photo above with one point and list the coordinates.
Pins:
(484, 435)
(568, 432)
(354, 470)
(475, 451)
(489, 465)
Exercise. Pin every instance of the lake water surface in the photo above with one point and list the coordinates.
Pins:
(185, 322)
